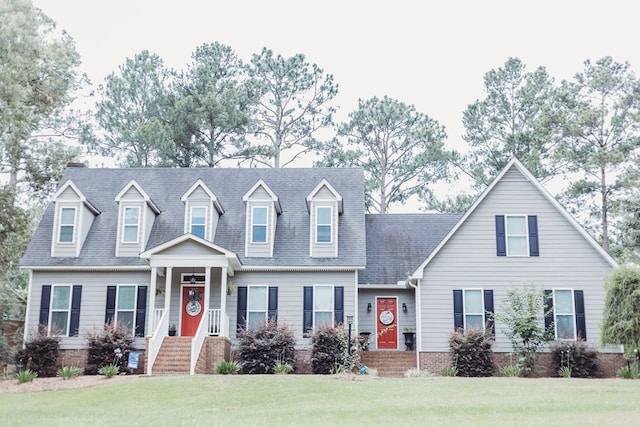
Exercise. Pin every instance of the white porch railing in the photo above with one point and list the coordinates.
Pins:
(157, 317)
(214, 322)
(161, 321)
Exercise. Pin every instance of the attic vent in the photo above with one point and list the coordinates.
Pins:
(75, 165)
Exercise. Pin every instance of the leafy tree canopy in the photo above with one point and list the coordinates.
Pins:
(400, 149)
(295, 105)
(621, 319)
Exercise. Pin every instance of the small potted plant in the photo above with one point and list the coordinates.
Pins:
(409, 336)
(172, 330)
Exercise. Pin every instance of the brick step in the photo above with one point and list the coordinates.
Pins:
(389, 363)
(174, 357)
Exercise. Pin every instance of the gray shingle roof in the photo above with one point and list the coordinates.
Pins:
(398, 243)
(166, 186)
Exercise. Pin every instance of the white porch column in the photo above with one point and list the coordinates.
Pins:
(207, 293)
(152, 301)
(167, 290)
(223, 302)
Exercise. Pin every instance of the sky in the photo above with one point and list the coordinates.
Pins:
(431, 54)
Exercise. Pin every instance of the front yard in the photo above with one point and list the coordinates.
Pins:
(297, 400)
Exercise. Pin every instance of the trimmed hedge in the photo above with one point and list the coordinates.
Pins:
(40, 355)
(260, 350)
(102, 345)
(577, 355)
(329, 350)
(471, 353)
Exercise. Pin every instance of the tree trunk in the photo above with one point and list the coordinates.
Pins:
(604, 210)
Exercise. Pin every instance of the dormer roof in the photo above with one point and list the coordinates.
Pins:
(143, 193)
(206, 189)
(265, 187)
(325, 184)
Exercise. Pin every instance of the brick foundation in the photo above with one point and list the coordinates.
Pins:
(78, 358)
(608, 363)
(303, 362)
(214, 350)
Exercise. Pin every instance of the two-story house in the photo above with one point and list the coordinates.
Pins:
(214, 251)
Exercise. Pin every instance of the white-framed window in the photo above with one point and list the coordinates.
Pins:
(60, 310)
(473, 309)
(564, 314)
(323, 305)
(516, 235)
(67, 225)
(257, 306)
(324, 224)
(126, 307)
(131, 225)
(199, 221)
(259, 215)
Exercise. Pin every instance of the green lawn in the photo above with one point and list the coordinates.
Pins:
(298, 400)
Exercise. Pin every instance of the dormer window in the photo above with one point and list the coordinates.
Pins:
(325, 205)
(263, 208)
(259, 225)
(73, 218)
(136, 215)
(131, 225)
(324, 224)
(199, 221)
(201, 211)
(67, 225)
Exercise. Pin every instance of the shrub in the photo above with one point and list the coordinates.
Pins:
(471, 353)
(26, 376)
(109, 370)
(282, 368)
(449, 371)
(102, 345)
(262, 348)
(629, 372)
(578, 356)
(329, 350)
(40, 354)
(512, 371)
(67, 372)
(228, 367)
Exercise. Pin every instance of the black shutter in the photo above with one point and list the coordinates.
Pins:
(458, 320)
(141, 311)
(501, 244)
(110, 310)
(45, 303)
(338, 304)
(307, 315)
(74, 322)
(534, 248)
(273, 303)
(581, 325)
(488, 312)
(548, 310)
(241, 314)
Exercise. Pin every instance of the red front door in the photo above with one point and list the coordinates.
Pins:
(192, 309)
(387, 323)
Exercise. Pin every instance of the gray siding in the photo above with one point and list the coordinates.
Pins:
(290, 295)
(93, 303)
(367, 321)
(468, 260)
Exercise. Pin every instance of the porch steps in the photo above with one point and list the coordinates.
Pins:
(174, 357)
(389, 363)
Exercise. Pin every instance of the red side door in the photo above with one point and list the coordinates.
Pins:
(192, 309)
(386, 312)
